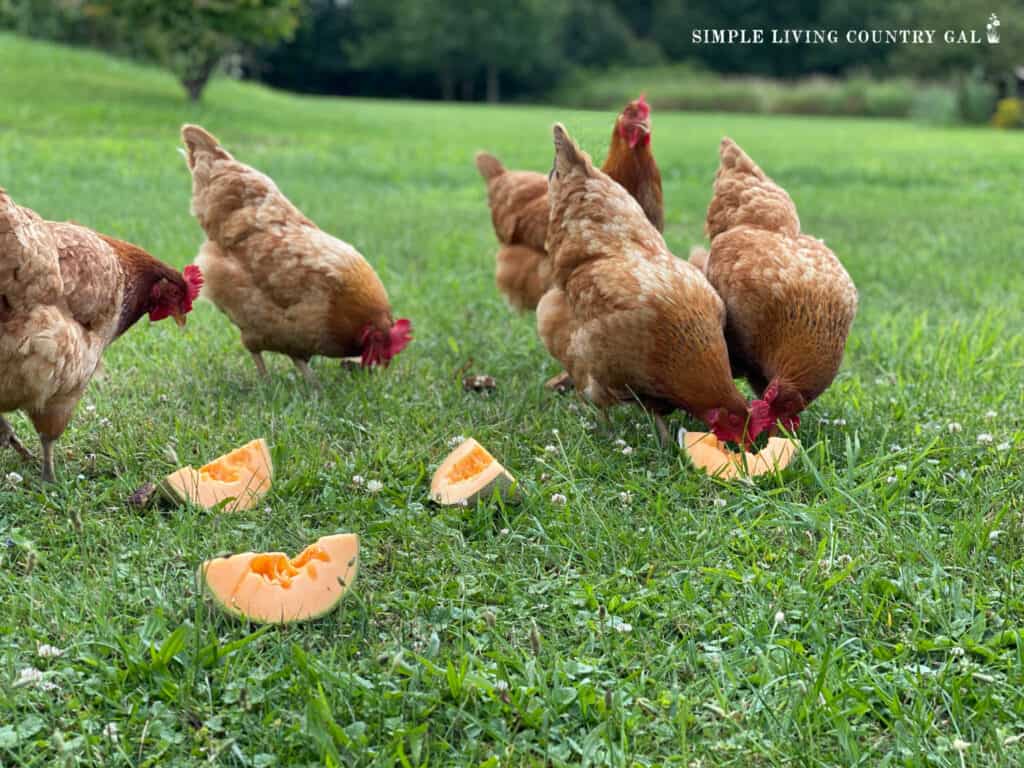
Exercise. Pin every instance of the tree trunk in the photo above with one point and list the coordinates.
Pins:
(447, 86)
(467, 89)
(493, 84)
(196, 78)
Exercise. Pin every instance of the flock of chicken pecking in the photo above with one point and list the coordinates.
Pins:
(583, 247)
(632, 323)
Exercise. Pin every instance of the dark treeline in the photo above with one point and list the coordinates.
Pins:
(460, 49)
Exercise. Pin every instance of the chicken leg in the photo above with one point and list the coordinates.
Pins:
(306, 371)
(664, 437)
(49, 475)
(7, 437)
(261, 367)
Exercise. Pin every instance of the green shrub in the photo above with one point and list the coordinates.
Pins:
(889, 98)
(935, 104)
(977, 99)
(1009, 114)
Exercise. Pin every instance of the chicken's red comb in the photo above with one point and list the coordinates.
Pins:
(194, 281)
(642, 105)
(401, 335)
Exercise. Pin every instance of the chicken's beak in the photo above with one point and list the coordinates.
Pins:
(179, 318)
(640, 129)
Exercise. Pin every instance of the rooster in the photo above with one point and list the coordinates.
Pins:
(627, 319)
(66, 293)
(789, 301)
(288, 286)
(519, 204)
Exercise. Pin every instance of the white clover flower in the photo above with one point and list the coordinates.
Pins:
(956, 651)
(627, 450)
(110, 731)
(720, 502)
(558, 498)
(358, 480)
(625, 497)
(993, 536)
(554, 432)
(90, 408)
(960, 745)
(839, 422)
(991, 415)
(457, 440)
(550, 449)
(621, 626)
(14, 478)
(28, 676)
(45, 651)
(895, 447)
(620, 442)
(374, 486)
(503, 532)
(780, 617)
(954, 427)
(891, 479)
(985, 438)
(1003, 447)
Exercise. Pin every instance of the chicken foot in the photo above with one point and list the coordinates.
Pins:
(7, 437)
(560, 383)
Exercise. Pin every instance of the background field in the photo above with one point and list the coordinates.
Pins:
(866, 610)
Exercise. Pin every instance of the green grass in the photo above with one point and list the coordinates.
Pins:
(864, 610)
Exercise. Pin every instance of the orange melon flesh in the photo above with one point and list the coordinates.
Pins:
(708, 453)
(469, 473)
(243, 476)
(271, 588)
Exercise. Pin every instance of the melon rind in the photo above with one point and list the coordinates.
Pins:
(493, 478)
(706, 452)
(235, 570)
(187, 485)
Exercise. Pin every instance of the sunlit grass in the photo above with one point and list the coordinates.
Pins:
(865, 609)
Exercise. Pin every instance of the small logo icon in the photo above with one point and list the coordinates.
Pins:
(992, 28)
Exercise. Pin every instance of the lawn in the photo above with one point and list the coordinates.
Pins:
(864, 609)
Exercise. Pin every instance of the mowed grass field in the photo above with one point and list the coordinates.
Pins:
(864, 609)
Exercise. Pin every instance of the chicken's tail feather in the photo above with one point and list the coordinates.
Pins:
(488, 165)
(199, 141)
(733, 158)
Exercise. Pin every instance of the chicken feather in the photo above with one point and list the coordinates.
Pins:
(789, 301)
(66, 293)
(627, 319)
(288, 286)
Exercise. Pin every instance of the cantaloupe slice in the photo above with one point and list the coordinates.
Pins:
(271, 588)
(470, 473)
(242, 476)
(706, 452)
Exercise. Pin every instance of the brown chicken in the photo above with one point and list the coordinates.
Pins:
(789, 302)
(66, 293)
(628, 320)
(519, 204)
(289, 286)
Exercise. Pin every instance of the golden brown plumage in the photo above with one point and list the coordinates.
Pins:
(789, 301)
(66, 292)
(627, 319)
(286, 284)
(519, 204)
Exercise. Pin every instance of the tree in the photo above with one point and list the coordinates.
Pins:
(191, 37)
(461, 42)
